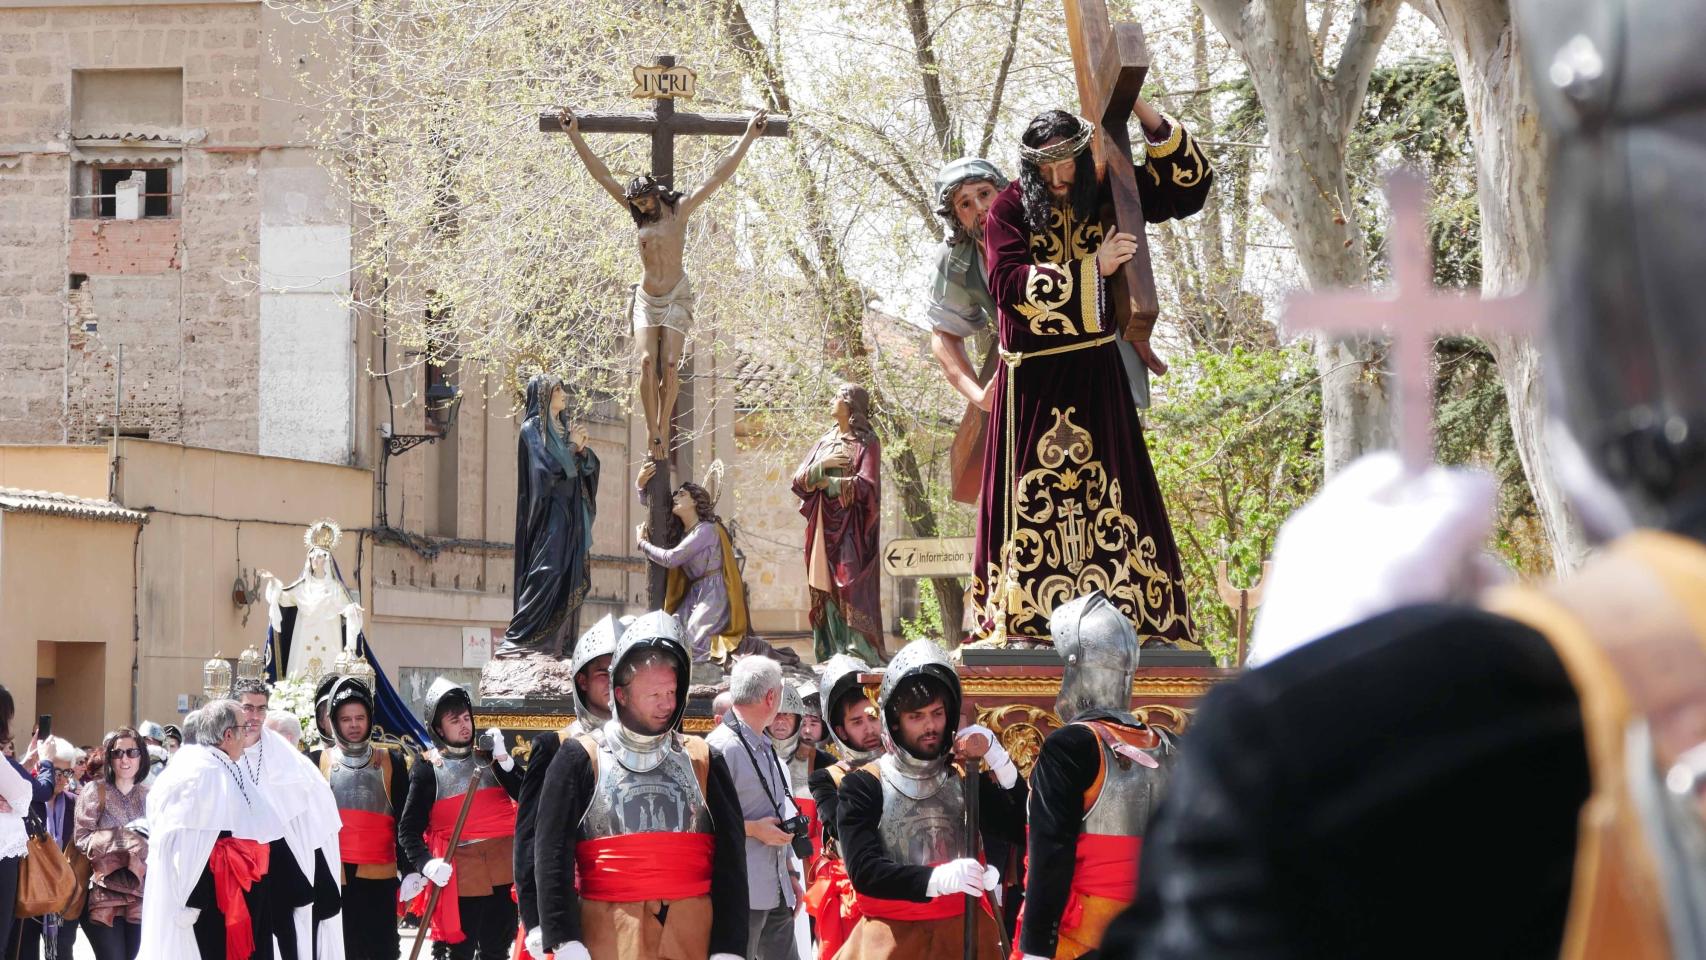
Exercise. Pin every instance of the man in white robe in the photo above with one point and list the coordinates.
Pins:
(295, 788)
(197, 802)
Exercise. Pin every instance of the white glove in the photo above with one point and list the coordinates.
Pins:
(412, 886)
(187, 916)
(1032, 956)
(1430, 530)
(992, 883)
(726, 956)
(964, 875)
(535, 943)
(438, 871)
(999, 762)
(500, 756)
(573, 950)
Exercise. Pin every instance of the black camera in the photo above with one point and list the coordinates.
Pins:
(800, 827)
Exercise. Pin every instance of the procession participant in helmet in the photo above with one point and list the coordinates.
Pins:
(323, 707)
(1096, 781)
(798, 751)
(590, 665)
(369, 784)
(639, 843)
(901, 819)
(475, 915)
(856, 733)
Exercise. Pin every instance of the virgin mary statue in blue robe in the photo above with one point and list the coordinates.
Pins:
(556, 482)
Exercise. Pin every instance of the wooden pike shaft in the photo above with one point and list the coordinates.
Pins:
(449, 857)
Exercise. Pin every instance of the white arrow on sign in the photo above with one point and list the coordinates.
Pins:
(920, 557)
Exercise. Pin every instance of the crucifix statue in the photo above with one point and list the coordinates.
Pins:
(1401, 311)
(662, 313)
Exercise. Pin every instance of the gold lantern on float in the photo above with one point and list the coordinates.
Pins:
(216, 678)
(251, 664)
(360, 669)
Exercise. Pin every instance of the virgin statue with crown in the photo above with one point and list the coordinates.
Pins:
(315, 617)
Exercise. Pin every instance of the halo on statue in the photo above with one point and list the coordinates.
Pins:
(713, 482)
(323, 533)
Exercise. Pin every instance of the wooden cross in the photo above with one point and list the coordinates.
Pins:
(1111, 61)
(1412, 314)
(663, 124)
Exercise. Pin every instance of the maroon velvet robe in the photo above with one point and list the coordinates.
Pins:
(850, 543)
(1069, 503)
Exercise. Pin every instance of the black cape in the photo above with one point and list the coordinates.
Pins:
(1406, 787)
(553, 533)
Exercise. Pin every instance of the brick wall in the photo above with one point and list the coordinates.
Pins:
(187, 321)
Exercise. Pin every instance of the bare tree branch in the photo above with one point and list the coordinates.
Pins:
(918, 203)
(988, 137)
(1227, 17)
(930, 77)
(1370, 24)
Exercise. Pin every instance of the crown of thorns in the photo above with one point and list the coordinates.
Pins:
(1064, 150)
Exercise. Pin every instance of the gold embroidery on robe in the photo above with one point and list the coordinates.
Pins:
(1050, 283)
(1072, 527)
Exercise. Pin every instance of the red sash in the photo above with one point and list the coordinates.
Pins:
(814, 828)
(645, 866)
(492, 814)
(1105, 866)
(831, 902)
(236, 865)
(367, 837)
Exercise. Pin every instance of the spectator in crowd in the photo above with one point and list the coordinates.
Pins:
(58, 812)
(19, 788)
(112, 832)
(720, 705)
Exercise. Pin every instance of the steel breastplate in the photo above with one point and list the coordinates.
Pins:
(664, 798)
(362, 787)
(452, 774)
(799, 776)
(926, 830)
(1130, 792)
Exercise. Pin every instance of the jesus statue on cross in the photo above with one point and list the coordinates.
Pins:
(663, 303)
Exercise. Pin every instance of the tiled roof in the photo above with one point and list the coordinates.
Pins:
(65, 505)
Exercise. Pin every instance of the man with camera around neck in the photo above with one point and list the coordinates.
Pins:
(773, 822)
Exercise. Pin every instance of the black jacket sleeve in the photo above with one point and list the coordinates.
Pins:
(400, 781)
(1001, 810)
(544, 748)
(562, 802)
(826, 795)
(510, 779)
(868, 865)
(729, 898)
(1175, 178)
(417, 811)
(1065, 768)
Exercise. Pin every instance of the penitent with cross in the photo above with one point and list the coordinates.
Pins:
(1412, 314)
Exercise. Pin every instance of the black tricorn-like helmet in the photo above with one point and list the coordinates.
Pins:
(1622, 91)
(348, 690)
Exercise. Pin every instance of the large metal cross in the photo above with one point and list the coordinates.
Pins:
(1111, 61)
(1412, 313)
(663, 123)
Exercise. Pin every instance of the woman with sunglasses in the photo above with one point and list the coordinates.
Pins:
(112, 832)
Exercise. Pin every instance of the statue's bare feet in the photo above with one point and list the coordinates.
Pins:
(657, 444)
